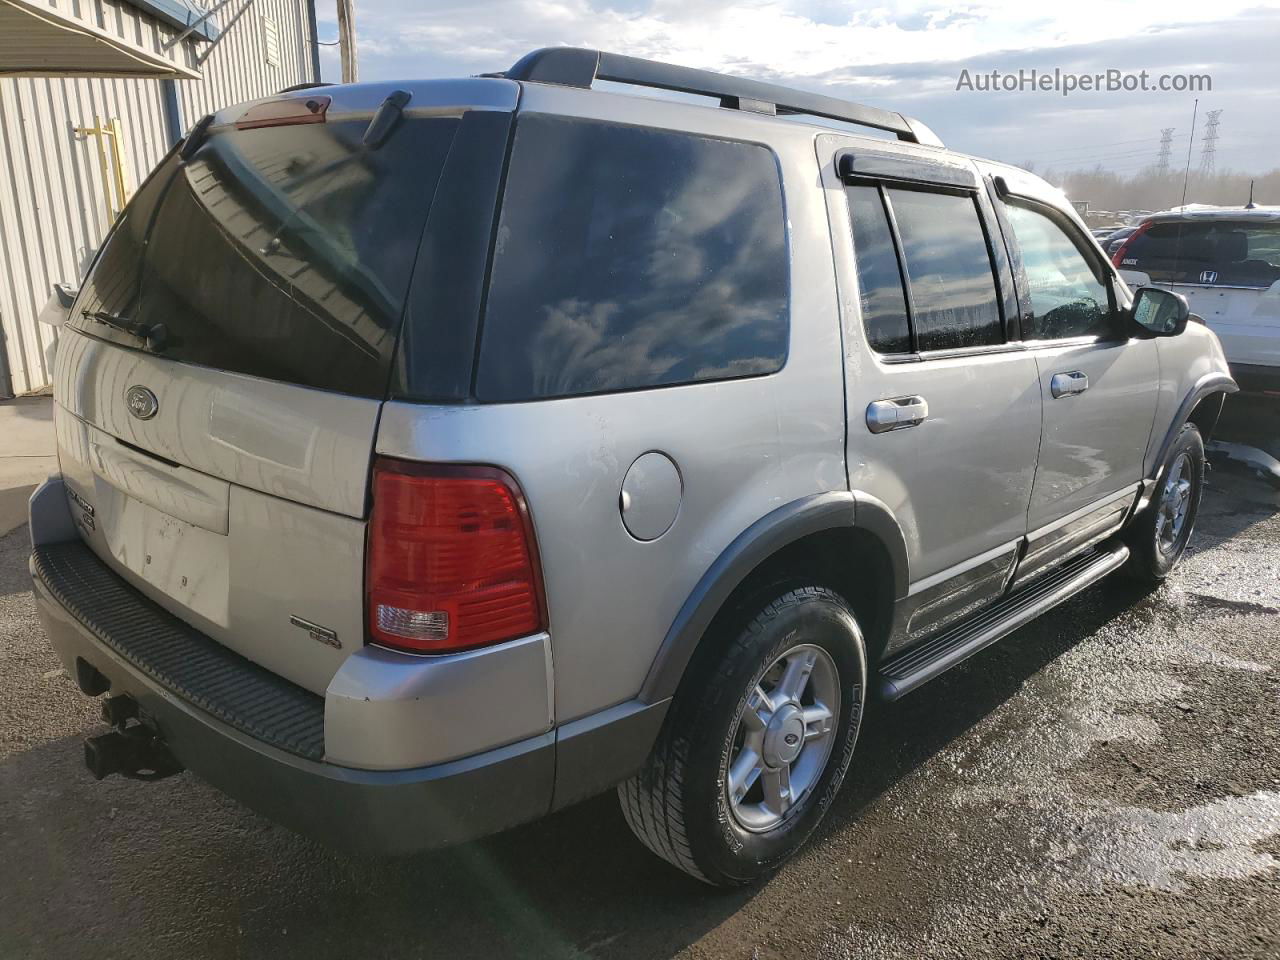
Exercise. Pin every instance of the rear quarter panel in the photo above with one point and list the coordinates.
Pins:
(742, 447)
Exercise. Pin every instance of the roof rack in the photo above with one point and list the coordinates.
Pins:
(576, 67)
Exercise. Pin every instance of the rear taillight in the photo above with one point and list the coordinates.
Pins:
(452, 563)
(1118, 257)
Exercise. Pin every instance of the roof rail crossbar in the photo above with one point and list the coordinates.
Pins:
(577, 67)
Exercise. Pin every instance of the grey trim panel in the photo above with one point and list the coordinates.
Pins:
(1056, 542)
(943, 577)
(599, 751)
(385, 812)
(1210, 383)
(951, 593)
(785, 525)
(48, 516)
(921, 664)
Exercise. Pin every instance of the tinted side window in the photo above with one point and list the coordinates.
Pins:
(628, 258)
(884, 308)
(1067, 300)
(953, 291)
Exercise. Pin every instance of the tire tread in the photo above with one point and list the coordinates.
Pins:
(653, 801)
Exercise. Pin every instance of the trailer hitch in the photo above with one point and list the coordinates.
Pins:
(133, 749)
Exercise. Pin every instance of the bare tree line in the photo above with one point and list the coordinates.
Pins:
(1148, 189)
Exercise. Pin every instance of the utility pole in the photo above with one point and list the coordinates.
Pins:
(1210, 148)
(347, 40)
(1166, 150)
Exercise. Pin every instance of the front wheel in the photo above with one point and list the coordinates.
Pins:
(756, 744)
(1159, 535)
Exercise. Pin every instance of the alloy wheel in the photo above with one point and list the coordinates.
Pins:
(783, 738)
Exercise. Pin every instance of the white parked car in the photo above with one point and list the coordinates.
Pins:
(1226, 262)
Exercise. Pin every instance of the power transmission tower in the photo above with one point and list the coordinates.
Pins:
(1210, 147)
(1166, 149)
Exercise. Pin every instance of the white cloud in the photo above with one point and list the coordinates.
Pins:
(902, 54)
(785, 38)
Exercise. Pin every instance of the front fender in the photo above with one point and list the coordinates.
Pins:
(1192, 367)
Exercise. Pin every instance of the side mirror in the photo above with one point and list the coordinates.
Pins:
(1160, 313)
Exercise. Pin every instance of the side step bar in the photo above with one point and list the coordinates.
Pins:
(903, 673)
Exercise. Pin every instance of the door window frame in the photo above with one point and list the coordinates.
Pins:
(1085, 246)
(1003, 276)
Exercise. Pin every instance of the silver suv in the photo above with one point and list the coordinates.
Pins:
(434, 457)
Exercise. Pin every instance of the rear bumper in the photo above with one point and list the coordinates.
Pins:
(395, 811)
(271, 744)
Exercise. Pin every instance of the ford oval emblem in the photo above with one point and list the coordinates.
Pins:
(142, 403)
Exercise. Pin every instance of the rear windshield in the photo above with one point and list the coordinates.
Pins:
(1220, 252)
(279, 252)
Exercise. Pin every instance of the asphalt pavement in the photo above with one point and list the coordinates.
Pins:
(1103, 783)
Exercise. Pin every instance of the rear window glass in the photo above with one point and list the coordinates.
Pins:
(1222, 252)
(884, 308)
(628, 258)
(953, 290)
(279, 252)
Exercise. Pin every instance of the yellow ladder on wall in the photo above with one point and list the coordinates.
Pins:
(103, 132)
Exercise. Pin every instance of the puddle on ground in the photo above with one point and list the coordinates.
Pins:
(1122, 764)
(1136, 847)
(1113, 688)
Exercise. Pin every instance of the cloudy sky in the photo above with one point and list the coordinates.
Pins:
(906, 56)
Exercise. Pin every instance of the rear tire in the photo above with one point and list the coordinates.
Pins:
(1159, 535)
(756, 744)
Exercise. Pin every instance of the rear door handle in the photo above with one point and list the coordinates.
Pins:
(1068, 384)
(896, 414)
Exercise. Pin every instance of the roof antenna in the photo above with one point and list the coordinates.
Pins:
(1250, 205)
(1186, 174)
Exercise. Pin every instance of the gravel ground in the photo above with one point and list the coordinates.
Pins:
(1103, 783)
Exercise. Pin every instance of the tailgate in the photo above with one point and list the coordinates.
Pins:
(219, 382)
(236, 507)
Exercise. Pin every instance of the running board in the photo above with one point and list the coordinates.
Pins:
(957, 643)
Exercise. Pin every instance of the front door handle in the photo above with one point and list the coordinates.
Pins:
(896, 414)
(1068, 384)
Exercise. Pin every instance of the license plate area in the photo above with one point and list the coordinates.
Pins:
(184, 562)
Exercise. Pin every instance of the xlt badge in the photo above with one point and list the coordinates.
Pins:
(86, 509)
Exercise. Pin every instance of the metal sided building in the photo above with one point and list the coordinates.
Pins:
(92, 94)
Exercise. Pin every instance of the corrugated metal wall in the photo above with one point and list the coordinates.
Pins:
(52, 198)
